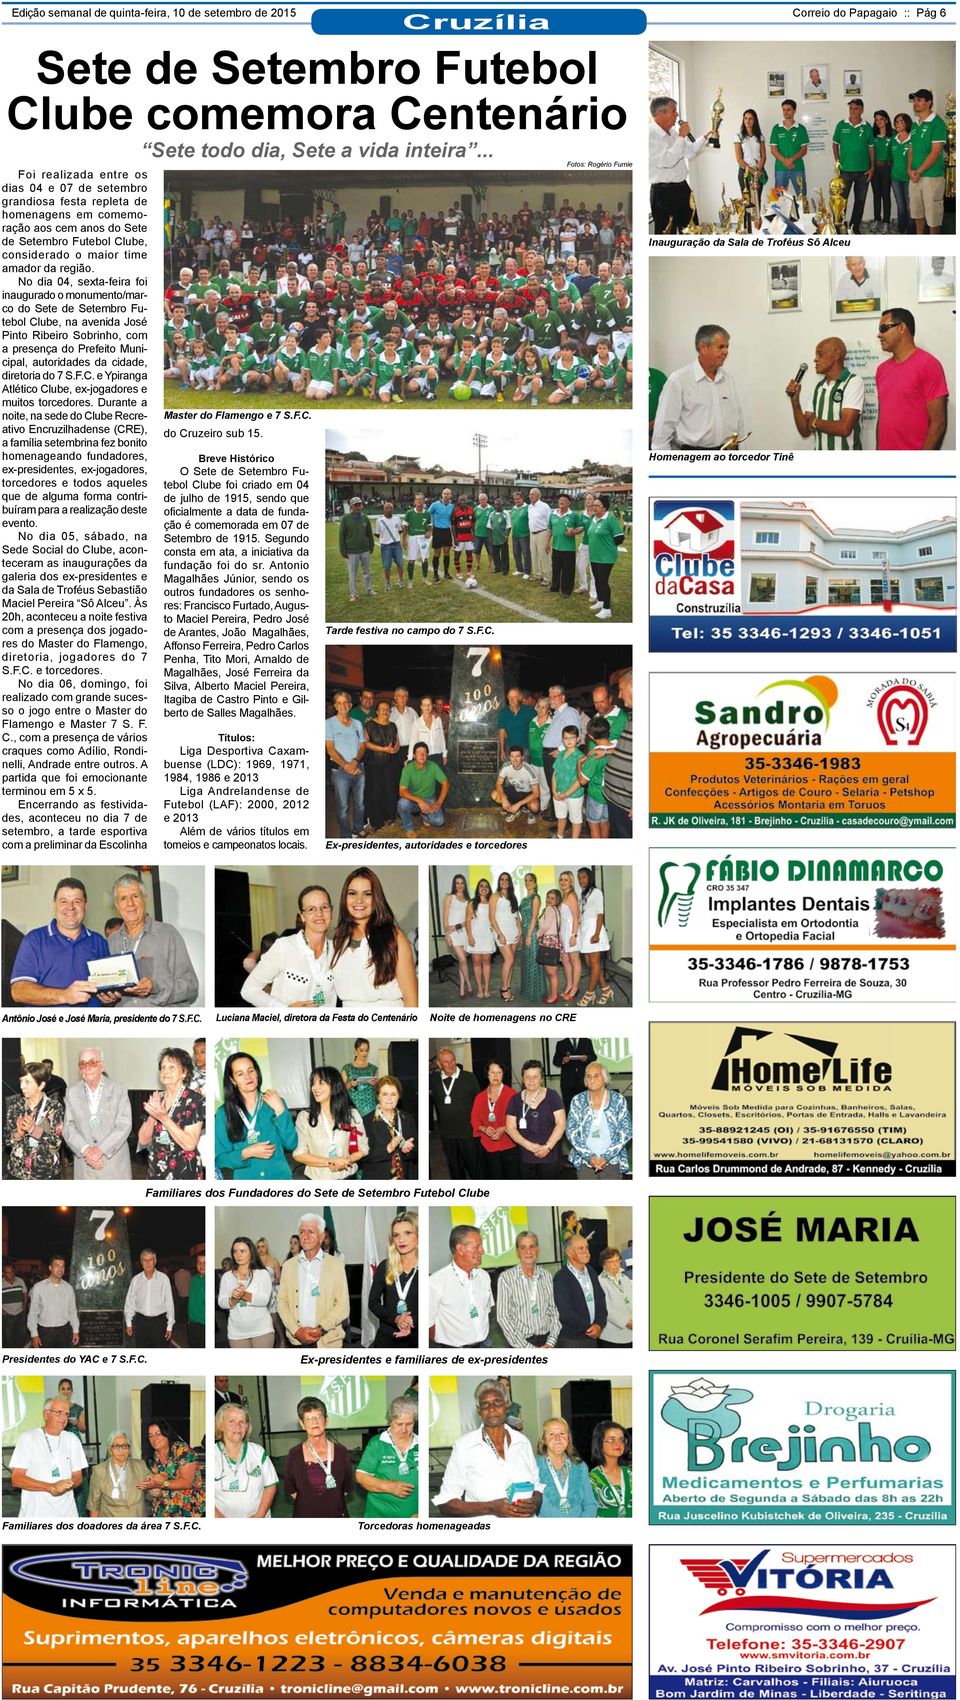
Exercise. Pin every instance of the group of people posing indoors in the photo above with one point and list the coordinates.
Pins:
(353, 1127)
(304, 1302)
(53, 1131)
(498, 1132)
(537, 939)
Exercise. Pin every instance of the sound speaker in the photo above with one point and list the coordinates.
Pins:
(233, 929)
(583, 1404)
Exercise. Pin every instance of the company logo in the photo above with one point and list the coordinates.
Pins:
(694, 551)
(740, 1069)
(774, 1582)
(677, 882)
(902, 715)
(702, 1411)
(796, 724)
(131, 1575)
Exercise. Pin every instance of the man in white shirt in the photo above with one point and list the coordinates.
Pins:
(699, 405)
(148, 1311)
(492, 1471)
(461, 1297)
(47, 1465)
(517, 788)
(670, 153)
(538, 516)
(14, 1307)
(52, 1318)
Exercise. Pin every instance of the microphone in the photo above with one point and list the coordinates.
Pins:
(800, 372)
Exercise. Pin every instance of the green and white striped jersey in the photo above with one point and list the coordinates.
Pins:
(831, 397)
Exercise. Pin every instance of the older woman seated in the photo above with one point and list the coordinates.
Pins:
(116, 1485)
(599, 1128)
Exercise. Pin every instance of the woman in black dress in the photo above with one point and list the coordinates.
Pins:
(389, 1136)
(393, 1296)
(380, 767)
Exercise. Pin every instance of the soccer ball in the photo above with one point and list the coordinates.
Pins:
(583, 371)
(471, 583)
(462, 392)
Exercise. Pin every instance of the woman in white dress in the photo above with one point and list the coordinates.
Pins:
(331, 1142)
(751, 152)
(569, 937)
(244, 1477)
(481, 940)
(296, 969)
(593, 939)
(372, 962)
(507, 929)
(454, 928)
(246, 1289)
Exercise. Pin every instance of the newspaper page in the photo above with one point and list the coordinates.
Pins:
(258, 997)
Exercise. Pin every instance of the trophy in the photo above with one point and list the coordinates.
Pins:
(950, 175)
(837, 192)
(726, 211)
(693, 228)
(716, 118)
(751, 192)
(734, 440)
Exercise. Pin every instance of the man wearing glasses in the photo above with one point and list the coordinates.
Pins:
(97, 1122)
(912, 388)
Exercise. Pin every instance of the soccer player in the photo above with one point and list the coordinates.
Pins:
(568, 378)
(203, 365)
(462, 528)
(499, 371)
(257, 369)
(423, 373)
(567, 786)
(498, 531)
(319, 369)
(529, 377)
(289, 363)
(468, 367)
(605, 370)
(388, 371)
(353, 367)
(416, 526)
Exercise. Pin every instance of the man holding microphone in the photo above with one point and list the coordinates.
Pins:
(670, 153)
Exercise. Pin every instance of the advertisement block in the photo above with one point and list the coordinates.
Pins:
(812, 1274)
(803, 1620)
(837, 1098)
(758, 925)
(803, 1447)
(843, 749)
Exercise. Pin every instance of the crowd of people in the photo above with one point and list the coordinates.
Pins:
(537, 939)
(52, 1130)
(367, 960)
(556, 763)
(579, 1306)
(304, 1302)
(499, 1132)
(398, 315)
(567, 550)
(493, 1471)
(50, 1470)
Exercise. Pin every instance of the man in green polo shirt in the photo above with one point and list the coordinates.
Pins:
(520, 536)
(565, 528)
(926, 165)
(853, 147)
(788, 144)
(423, 790)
